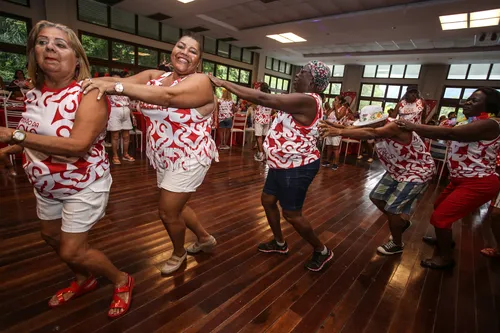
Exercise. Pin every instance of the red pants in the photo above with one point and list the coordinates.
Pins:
(461, 197)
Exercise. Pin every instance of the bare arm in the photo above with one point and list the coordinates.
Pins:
(9, 150)
(90, 121)
(139, 78)
(388, 131)
(487, 129)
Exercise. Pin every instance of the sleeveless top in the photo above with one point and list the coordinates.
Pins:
(225, 109)
(406, 163)
(262, 115)
(411, 112)
(52, 113)
(290, 145)
(119, 101)
(473, 159)
(176, 135)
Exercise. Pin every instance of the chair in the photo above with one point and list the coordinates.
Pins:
(138, 139)
(439, 152)
(239, 126)
(348, 141)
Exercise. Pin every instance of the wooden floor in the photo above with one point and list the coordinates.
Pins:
(238, 289)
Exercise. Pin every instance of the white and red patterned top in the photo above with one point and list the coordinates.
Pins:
(119, 101)
(176, 135)
(262, 115)
(406, 163)
(473, 159)
(225, 109)
(289, 144)
(411, 112)
(52, 113)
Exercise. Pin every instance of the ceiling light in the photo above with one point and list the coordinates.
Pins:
(454, 26)
(287, 37)
(453, 18)
(186, 1)
(486, 14)
(484, 22)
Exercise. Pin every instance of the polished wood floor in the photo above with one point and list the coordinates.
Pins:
(237, 289)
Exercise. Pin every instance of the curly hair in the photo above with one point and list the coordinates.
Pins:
(492, 101)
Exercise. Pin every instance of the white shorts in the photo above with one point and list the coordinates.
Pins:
(79, 212)
(261, 129)
(496, 202)
(333, 141)
(119, 119)
(182, 180)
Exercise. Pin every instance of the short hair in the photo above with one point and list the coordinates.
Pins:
(264, 87)
(196, 37)
(34, 71)
(492, 102)
(18, 70)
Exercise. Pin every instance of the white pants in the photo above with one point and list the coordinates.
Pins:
(79, 212)
(333, 141)
(119, 119)
(182, 180)
(261, 129)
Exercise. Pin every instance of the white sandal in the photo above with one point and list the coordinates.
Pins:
(173, 264)
(205, 247)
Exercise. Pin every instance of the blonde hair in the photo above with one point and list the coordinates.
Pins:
(82, 71)
(226, 94)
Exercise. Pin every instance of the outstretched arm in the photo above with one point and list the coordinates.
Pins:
(390, 130)
(487, 129)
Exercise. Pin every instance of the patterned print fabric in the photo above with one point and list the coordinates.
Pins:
(52, 113)
(412, 112)
(262, 115)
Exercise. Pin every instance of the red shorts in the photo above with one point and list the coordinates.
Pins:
(461, 197)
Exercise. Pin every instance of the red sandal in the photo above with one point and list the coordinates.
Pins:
(118, 302)
(78, 290)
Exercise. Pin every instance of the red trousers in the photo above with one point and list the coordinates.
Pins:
(461, 197)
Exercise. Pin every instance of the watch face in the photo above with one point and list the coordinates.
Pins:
(19, 136)
(119, 87)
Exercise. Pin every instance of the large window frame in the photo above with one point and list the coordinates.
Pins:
(16, 48)
(467, 73)
(275, 86)
(384, 101)
(234, 52)
(390, 72)
(114, 64)
(278, 66)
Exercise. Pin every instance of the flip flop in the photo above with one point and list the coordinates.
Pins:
(491, 252)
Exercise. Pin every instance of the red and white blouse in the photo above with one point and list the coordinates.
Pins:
(290, 145)
(411, 112)
(262, 115)
(176, 135)
(119, 101)
(225, 109)
(473, 159)
(406, 163)
(52, 113)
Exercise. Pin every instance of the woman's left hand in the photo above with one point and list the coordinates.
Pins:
(406, 125)
(327, 130)
(216, 81)
(104, 87)
(5, 134)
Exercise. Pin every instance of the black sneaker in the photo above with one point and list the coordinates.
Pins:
(273, 247)
(334, 166)
(318, 261)
(390, 248)
(406, 227)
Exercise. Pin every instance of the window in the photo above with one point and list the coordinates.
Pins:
(288, 69)
(164, 57)
(233, 74)
(269, 63)
(235, 53)
(10, 63)
(147, 57)
(385, 95)
(223, 49)
(338, 70)
(169, 34)
(148, 28)
(210, 45)
(474, 72)
(122, 20)
(247, 56)
(282, 67)
(278, 66)
(277, 85)
(392, 71)
(122, 52)
(93, 12)
(95, 47)
(13, 31)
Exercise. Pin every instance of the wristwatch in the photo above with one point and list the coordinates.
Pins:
(118, 87)
(18, 136)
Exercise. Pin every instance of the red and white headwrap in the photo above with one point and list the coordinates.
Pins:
(320, 73)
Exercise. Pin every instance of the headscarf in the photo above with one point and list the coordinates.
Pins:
(320, 73)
